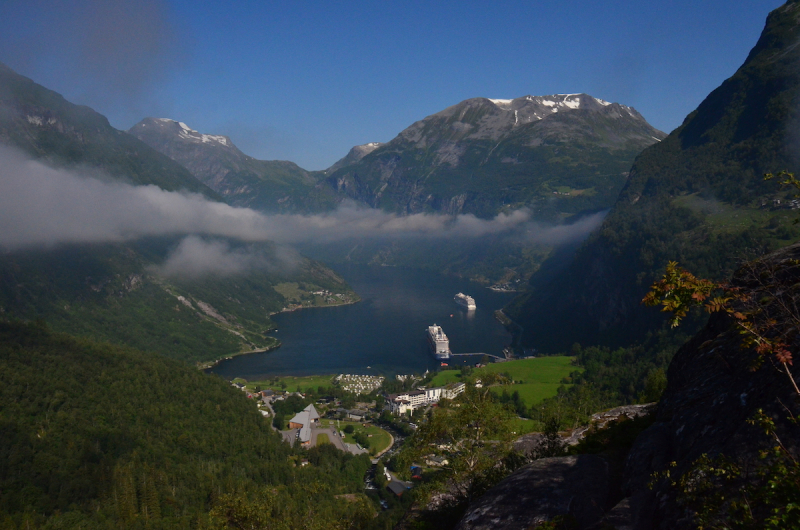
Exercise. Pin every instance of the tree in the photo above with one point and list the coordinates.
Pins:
(763, 304)
(474, 435)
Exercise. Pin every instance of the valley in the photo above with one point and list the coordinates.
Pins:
(195, 338)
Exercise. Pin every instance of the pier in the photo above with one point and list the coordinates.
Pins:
(479, 353)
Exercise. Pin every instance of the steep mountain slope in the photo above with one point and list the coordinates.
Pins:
(718, 451)
(269, 185)
(697, 197)
(45, 125)
(561, 153)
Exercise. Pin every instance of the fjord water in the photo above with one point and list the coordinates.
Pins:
(385, 333)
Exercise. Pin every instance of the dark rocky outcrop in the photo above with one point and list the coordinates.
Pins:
(715, 386)
(577, 486)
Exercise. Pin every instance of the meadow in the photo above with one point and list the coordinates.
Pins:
(535, 379)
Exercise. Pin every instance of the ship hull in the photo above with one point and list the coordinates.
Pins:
(438, 342)
(467, 302)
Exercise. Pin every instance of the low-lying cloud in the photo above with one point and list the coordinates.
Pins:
(43, 206)
(196, 256)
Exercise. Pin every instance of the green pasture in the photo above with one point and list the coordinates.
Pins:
(724, 217)
(535, 379)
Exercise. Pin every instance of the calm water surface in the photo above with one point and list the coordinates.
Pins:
(383, 334)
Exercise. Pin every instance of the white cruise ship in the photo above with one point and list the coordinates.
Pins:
(440, 345)
(465, 301)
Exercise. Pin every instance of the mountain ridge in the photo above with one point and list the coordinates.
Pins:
(482, 156)
(45, 125)
(268, 185)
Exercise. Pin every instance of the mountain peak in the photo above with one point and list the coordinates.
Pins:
(356, 153)
(183, 131)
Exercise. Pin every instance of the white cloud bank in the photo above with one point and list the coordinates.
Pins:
(42, 206)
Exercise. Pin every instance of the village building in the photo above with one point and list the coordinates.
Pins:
(396, 487)
(414, 399)
(356, 415)
(303, 421)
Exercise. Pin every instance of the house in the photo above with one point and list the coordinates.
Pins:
(357, 415)
(396, 487)
(304, 418)
(436, 461)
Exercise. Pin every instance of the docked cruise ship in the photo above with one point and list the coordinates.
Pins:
(440, 345)
(465, 300)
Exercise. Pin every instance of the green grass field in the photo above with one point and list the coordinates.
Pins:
(540, 377)
(311, 382)
(322, 438)
(522, 426)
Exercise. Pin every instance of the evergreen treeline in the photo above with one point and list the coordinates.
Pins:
(97, 436)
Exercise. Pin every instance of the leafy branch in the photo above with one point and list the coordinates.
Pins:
(765, 310)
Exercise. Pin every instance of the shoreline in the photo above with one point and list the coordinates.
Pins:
(300, 307)
(211, 364)
(207, 365)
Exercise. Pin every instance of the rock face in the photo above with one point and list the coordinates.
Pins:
(572, 485)
(565, 152)
(715, 386)
(356, 153)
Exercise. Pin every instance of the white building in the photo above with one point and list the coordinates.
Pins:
(409, 401)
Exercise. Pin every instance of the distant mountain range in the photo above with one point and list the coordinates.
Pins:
(697, 197)
(560, 153)
(559, 156)
(554, 154)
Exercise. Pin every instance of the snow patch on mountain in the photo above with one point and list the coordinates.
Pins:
(188, 133)
(504, 104)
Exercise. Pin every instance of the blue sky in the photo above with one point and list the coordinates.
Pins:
(305, 81)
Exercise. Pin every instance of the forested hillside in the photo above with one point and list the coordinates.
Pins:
(97, 436)
(697, 197)
(116, 292)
